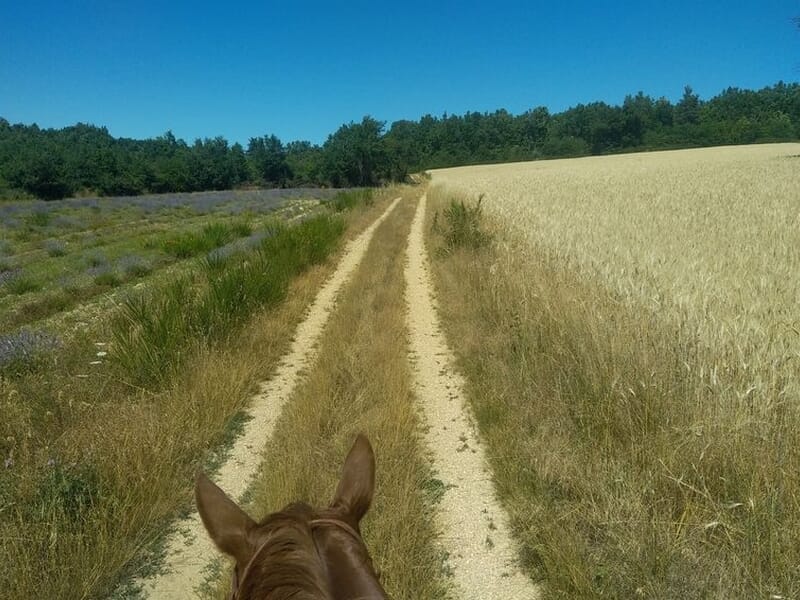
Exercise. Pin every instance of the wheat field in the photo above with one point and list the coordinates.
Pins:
(631, 343)
(709, 238)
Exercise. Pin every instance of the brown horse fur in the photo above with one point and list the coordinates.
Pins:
(299, 553)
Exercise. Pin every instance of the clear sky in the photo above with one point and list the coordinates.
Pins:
(301, 69)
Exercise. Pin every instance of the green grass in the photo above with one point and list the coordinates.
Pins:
(23, 284)
(213, 235)
(79, 494)
(347, 200)
(154, 330)
(460, 226)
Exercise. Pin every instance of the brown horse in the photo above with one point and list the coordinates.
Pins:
(299, 552)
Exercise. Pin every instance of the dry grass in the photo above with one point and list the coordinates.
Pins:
(361, 383)
(641, 414)
(95, 479)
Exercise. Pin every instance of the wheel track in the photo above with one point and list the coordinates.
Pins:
(475, 528)
(189, 551)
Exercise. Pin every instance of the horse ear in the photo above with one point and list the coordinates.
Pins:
(357, 483)
(226, 523)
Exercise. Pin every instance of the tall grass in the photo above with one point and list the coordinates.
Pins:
(346, 200)
(92, 469)
(629, 468)
(154, 332)
(213, 235)
(460, 225)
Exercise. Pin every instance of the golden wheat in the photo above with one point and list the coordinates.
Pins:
(709, 238)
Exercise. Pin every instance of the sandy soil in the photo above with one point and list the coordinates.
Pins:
(475, 528)
(189, 550)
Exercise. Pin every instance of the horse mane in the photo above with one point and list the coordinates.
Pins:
(288, 566)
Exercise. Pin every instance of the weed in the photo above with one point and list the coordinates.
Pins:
(152, 331)
(45, 306)
(241, 229)
(461, 226)
(216, 235)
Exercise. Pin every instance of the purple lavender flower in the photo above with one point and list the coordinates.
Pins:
(55, 247)
(23, 349)
(9, 275)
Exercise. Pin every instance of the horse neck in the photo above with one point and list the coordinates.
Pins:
(349, 577)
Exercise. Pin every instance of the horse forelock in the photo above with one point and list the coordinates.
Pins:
(287, 565)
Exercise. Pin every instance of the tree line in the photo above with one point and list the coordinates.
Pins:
(56, 163)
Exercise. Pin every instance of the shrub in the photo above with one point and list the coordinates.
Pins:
(134, 266)
(104, 276)
(96, 259)
(24, 350)
(461, 226)
(55, 247)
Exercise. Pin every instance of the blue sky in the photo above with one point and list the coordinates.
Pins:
(301, 69)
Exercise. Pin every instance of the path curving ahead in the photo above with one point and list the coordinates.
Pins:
(475, 527)
(189, 551)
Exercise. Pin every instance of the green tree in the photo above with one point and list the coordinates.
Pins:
(687, 111)
(267, 158)
(355, 155)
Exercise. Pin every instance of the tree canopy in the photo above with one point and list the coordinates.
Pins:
(54, 163)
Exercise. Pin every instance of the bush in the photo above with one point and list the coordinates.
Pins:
(106, 277)
(24, 350)
(461, 226)
(134, 266)
(55, 247)
(96, 259)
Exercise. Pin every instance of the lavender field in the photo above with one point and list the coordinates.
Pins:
(56, 257)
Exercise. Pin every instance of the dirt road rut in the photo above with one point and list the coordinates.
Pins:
(474, 526)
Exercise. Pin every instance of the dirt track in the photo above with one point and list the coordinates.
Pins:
(474, 526)
(475, 529)
(189, 550)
